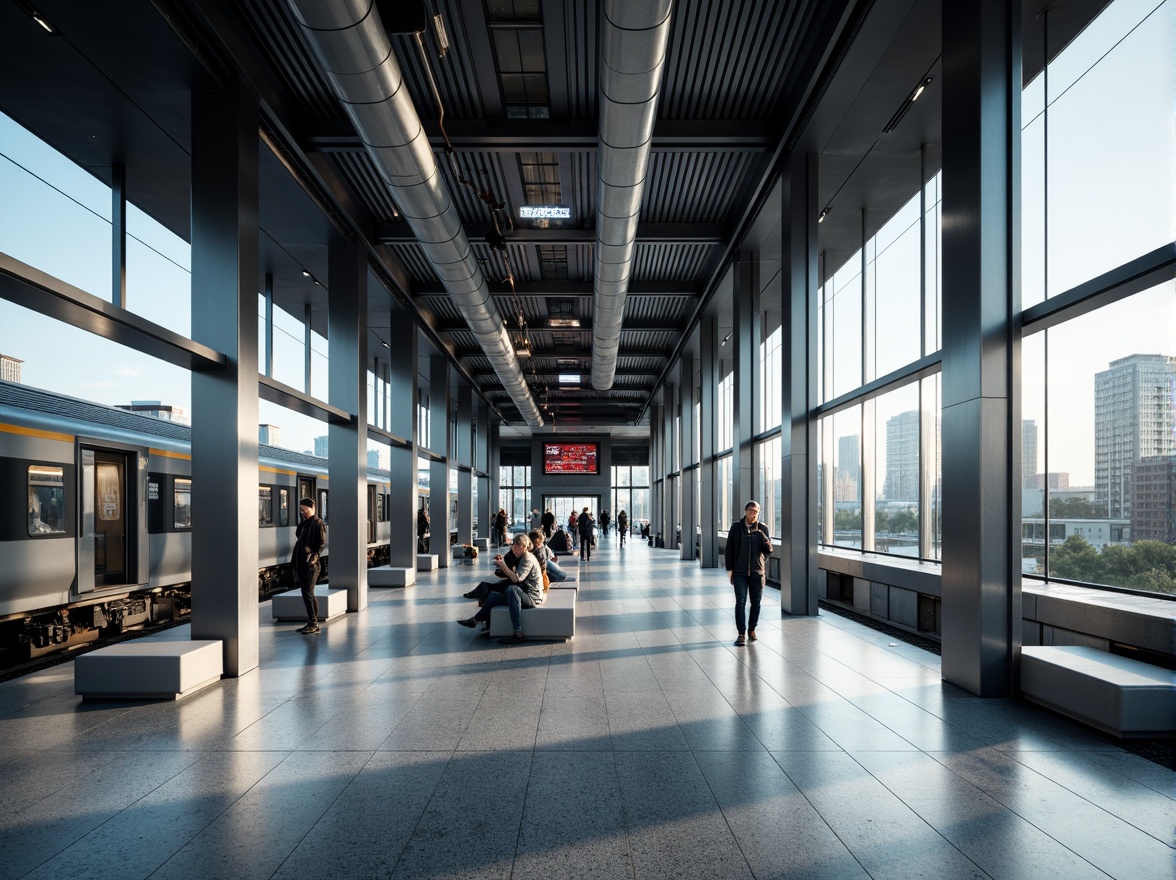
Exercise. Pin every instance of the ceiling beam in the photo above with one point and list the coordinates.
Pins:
(480, 375)
(553, 135)
(456, 325)
(647, 233)
(530, 289)
(568, 351)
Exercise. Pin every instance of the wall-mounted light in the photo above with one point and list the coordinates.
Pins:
(306, 273)
(821, 217)
(726, 339)
(36, 15)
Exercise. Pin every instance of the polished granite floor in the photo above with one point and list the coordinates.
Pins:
(397, 743)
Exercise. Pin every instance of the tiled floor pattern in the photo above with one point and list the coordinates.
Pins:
(398, 744)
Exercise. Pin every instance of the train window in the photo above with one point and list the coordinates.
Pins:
(108, 488)
(381, 507)
(322, 504)
(265, 505)
(182, 496)
(46, 500)
(283, 507)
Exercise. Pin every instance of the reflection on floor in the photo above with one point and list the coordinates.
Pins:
(397, 743)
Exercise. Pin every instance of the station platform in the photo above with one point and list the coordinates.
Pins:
(397, 743)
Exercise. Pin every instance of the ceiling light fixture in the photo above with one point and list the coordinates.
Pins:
(824, 214)
(725, 339)
(306, 273)
(906, 104)
(563, 322)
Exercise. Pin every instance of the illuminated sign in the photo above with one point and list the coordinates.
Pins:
(545, 212)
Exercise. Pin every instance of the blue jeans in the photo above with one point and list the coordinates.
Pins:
(554, 572)
(515, 598)
(747, 585)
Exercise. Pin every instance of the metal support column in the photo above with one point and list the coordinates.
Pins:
(708, 375)
(981, 612)
(402, 357)
(657, 468)
(118, 234)
(487, 495)
(464, 454)
(669, 519)
(225, 403)
(347, 443)
(439, 469)
(798, 246)
(688, 456)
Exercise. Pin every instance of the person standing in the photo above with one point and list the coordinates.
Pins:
(311, 537)
(500, 526)
(585, 525)
(748, 545)
(573, 529)
(604, 522)
(548, 523)
(422, 530)
(622, 525)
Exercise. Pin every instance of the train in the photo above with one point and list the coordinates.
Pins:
(96, 520)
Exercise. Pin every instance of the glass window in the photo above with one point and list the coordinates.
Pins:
(46, 500)
(1106, 485)
(284, 507)
(724, 486)
(770, 489)
(182, 504)
(931, 510)
(896, 468)
(894, 269)
(265, 505)
(724, 432)
(843, 314)
(322, 505)
(771, 378)
(846, 469)
(933, 265)
(159, 277)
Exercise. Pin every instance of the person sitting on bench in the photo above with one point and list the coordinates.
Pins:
(546, 557)
(525, 590)
(559, 543)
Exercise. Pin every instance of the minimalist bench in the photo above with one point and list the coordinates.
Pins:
(289, 605)
(427, 562)
(387, 576)
(483, 544)
(1117, 695)
(146, 669)
(554, 619)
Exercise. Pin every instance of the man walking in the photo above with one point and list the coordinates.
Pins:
(311, 538)
(748, 545)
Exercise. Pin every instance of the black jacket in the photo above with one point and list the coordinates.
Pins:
(747, 548)
(585, 525)
(312, 537)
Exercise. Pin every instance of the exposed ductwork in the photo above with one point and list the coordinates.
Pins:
(356, 54)
(633, 41)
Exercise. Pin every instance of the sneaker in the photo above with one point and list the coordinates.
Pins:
(469, 622)
(310, 629)
(741, 641)
(751, 635)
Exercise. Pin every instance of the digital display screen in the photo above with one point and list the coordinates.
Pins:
(571, 458)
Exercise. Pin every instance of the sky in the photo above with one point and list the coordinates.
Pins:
(1104, 208)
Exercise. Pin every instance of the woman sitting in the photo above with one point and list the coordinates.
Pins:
(524, 590)
(559, 542)
(546, 557)
(483, 590)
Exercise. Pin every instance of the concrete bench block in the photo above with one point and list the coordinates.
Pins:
(145, 669)
(289, 605)
(483, 544)
(1118, 695)
(554, 619)
(427, 562)
(387, 576)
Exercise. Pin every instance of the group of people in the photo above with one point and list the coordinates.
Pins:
(523, 574)
(526, 569)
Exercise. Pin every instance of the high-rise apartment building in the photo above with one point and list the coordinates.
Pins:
(1153, 500)
(321, 446)
(902, 457)
(849, 469)
(1133, 419)
(269, 435)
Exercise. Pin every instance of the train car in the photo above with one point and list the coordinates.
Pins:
(96, 518)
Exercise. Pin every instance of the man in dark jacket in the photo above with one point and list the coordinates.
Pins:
(311, 538)
(586, 525)
(548, 523)
(748, 545)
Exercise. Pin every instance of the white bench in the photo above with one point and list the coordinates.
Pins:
(146, 669)
(483, 544)
(1117, 695)
(387, 576)
(427, 562)
(554, 619)
(289, 605)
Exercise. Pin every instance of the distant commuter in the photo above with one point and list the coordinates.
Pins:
(548, 523)
(604, 518)
(748, 545)
(500, 527)
(311, 537)
(422, 530)
(622, 525)
(586, 525)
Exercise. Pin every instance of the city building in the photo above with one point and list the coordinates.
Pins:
(157, 410)
(321, 445)
(269, 435)
(10, 368)
(1153, 500)
(902, 457)
(1133, 419)
(1028, 451)
(849, 468)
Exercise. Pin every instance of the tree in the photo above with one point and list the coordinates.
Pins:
(904, 522)
(1061, 507)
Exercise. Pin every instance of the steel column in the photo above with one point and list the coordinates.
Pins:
(745, 347)
(708, 375)
(439, 470)
(225, 402)
(347, 444)
(981, 612)
(688, 456)
(402, 359)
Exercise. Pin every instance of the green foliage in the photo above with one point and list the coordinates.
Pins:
(1146, 565)
(1075, 508)
(847, 521)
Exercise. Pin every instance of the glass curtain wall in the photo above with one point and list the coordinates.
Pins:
(514, 488)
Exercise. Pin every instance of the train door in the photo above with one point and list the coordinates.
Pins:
(305, 488)
(372, 518)
(109, 544)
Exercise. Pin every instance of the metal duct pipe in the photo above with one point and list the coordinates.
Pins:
(633, 40)
(356, 54)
